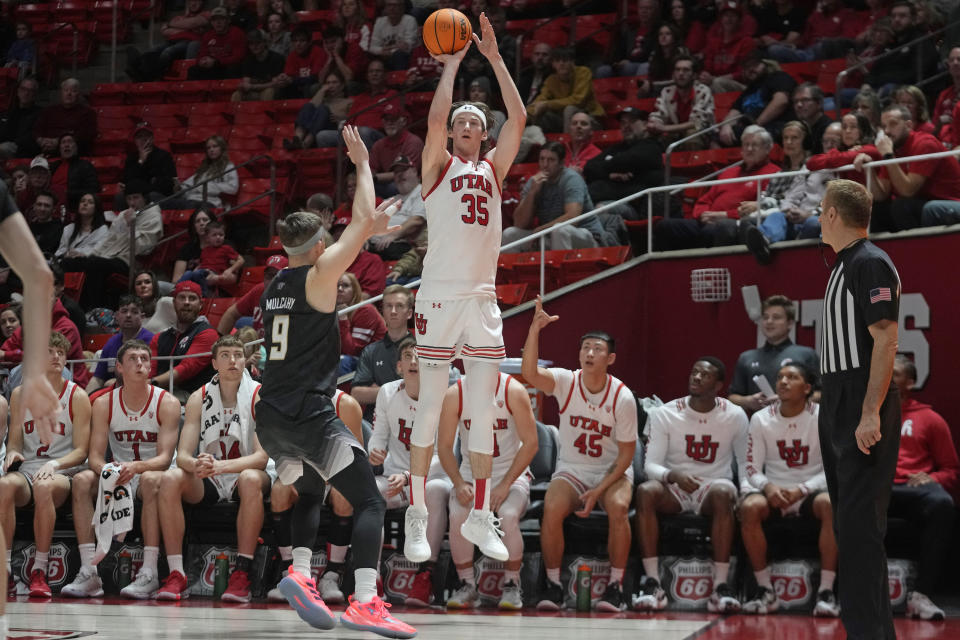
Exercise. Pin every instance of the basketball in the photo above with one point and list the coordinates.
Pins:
(446, 31)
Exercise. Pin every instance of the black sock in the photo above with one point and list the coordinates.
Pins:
(243, 564)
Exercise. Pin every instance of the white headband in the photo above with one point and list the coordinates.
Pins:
(469, 108)
(307, 245)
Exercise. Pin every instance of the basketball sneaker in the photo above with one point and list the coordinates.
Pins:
(511, 598)
(86, 585)
(463, 597)
(238, 587)
(920, 606)
(329, 587)
(373, 616)
(421, 592)
(301, 592)
(38, 585)
(764, 601)
(723, 600)
(415, 545)
(274, 594)
(484, 531)
(827, 605)
(551, 598)
(612, 600)
(144, 587)
(651, 596)
(174, 587)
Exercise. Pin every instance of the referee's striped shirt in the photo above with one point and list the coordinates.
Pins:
(863, 289)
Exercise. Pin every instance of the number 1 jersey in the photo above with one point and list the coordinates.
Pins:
(464, 219)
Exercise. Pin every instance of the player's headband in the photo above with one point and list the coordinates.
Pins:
(307, 245)
(469, 108)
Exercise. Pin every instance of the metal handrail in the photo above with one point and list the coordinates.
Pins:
(271, 192)
(673, 145)
(863, 63)
(61, 24)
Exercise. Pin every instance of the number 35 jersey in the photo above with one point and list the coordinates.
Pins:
(591, 424)
(464, 219)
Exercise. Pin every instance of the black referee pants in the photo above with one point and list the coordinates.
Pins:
(860, 487)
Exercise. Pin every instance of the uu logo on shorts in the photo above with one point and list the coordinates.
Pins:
(421, 323)
(704, 451)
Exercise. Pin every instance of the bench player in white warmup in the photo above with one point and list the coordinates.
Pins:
(40, 473)
(139, 422)
(598, 437)
(693, 441)
(514, 446)
(219, 459)
(456, 310)
(786, 479)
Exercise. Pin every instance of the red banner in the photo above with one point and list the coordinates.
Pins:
(660, 330)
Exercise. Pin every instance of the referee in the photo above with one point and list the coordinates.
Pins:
(859, 416)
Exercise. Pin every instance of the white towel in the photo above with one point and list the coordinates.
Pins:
(113, 515)
(234, 438)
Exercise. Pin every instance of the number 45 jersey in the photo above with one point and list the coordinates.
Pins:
(464, 219)
(591, 424)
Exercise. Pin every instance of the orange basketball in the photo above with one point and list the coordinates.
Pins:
(446, 31)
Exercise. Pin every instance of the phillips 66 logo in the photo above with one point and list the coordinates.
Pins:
(57, 568)
(900, 573)
(791, 581)
(208, 576)
(599, 576)
(693, 582)
(490, 583)
(136, 560)
(400, 573)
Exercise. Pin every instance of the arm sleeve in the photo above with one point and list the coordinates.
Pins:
(348, 345)
(654, 465)
(381, 430)
(202, 342)
(376, 40)
(877, 291)
(230, 183)
(13, 347)
(249, 302)
(368, 326)
(409, 32)
(756, 454)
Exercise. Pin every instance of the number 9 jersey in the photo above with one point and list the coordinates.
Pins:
(465, 223)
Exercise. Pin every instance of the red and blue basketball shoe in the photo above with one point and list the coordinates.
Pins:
(373, 616)
(301, 592)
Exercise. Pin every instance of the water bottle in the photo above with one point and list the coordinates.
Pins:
(221, 574)
(124, 568)
(583, 588)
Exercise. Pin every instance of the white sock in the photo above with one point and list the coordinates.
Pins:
(40, 559)
(553, 575)
(616, 575)
(338, 553)
(509, 575)
(365, 588)
(175, 563)
(651, 567)
(826, 579)
(418, 493)
(301, 560)
(720, 572)
(286, 553)
(87, 551)
(467, 575)
(763, 578)
(150, 557)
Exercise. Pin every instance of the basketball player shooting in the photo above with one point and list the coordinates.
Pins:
(21, 252)
(456, 309)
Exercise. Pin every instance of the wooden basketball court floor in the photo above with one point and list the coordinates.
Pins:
(201, 619)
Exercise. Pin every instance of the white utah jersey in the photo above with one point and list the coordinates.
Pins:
(62, 443)
(506, 440)
(464, 219)
(133, 434)
(393, 425)
(699, 444)
(236, 437)
(591, 424)
(785, 451)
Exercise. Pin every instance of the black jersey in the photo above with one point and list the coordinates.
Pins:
(863, 289)
(303, 344)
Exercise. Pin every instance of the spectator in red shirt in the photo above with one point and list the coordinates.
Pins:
(902, 191)
(366, 111)
(856, 137)
(191, 335)
(12, 349)
(715, 215)
(181, 40)
(361, 326)
(913, 99)
(249, 304)
(222, 49)
(927, 473)
(301, 73)
(424, 71)
(694, 34)
(219, 263)
(947, 100)
(726, 50)
(352, 18)
(580, 147)
(825, 26)
(398, 142)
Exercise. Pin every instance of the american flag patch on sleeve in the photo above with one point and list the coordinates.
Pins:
(880, 294)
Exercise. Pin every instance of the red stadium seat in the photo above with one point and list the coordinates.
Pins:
(73, 284)
(214, 308)
(179, 69)
(149, 93)
(526, 269)
(222, 90)
(251, 277)
(511, 294)
(109, 168)
(189, 91)
(261, 254)
(580, 263)
(315, 20)
(95, 342)
(34, 13)
(72, 11)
